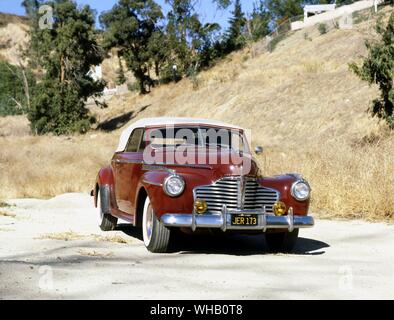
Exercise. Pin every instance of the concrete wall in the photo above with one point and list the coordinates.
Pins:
(335, 14)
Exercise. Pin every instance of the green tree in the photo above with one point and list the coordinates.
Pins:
(378, 68)
(285, 9)
(159, 51)
(235, 37)
(259, 23)
(65, 53)
(344, 2)
(16, 86)
(222, 4)
(31, 7)
(183, 29)
(129, 26)
(209, 44)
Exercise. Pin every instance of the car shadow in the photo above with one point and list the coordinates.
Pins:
(130, 231)
(227, 244)
(239, 245)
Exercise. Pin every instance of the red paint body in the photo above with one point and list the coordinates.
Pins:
(128, 177)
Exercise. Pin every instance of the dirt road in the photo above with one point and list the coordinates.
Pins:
(53, 249)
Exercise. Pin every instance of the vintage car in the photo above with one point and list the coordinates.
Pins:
(196, 175)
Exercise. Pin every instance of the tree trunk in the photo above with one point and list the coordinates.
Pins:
(25, 86)
(157, 69)
(142, 86)
(249, 41)
(62, 70)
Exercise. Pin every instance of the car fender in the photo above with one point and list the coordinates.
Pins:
(152, 182)
(105, 178)
(283, 183)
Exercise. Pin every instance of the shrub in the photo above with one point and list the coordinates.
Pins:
(133, 86)
(378, 68)
(322, 28)
(274, 42)
(13, 98)
(58, 108)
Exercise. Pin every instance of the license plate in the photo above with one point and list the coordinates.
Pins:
(247, 220)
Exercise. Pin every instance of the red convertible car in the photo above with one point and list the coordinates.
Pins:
(196, 175)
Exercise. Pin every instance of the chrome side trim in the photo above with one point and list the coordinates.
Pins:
(147, 167)
(120, 161)
(194, 166)
(152, 183)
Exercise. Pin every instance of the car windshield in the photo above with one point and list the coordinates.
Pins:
(203, 137)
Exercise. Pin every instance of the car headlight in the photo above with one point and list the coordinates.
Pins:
(174, 185)
(301, 190)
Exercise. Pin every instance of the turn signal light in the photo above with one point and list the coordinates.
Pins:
(279, 209)
(200, 206)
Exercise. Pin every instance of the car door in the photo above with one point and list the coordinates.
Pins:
(127, 172)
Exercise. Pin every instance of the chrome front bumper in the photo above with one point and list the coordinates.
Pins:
(223, 221)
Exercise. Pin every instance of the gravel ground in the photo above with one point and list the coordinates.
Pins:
(53, 249)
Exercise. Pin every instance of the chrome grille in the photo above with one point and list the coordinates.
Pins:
(228, 191)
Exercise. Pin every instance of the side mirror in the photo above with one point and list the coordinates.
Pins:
(259, 150)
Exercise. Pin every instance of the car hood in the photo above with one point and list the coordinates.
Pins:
(217, 162)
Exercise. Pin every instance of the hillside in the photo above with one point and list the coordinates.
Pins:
(12, 36)
(13, 40)
(301, 102)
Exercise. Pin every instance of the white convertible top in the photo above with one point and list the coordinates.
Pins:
(152, 122)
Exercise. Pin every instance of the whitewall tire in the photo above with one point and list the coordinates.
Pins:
(156, 236)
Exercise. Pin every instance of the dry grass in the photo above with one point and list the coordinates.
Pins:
(73, 236)
(7, 214)
(42, 167)
(63, 236)
(113, 239)
(94, 253)
(16, 126)
(301, 102)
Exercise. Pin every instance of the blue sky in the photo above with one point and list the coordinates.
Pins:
(206, 9)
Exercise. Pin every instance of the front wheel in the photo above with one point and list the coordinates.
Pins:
(156, 235)
(281, 241)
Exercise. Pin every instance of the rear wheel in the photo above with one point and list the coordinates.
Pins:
(156, 235)
(281, 241)
(105, 220)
